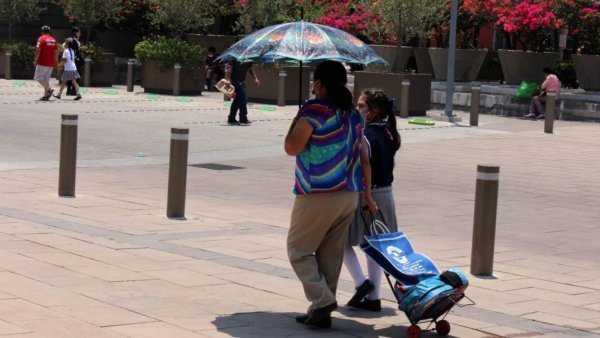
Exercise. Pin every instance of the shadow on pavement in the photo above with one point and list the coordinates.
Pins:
(270, 324)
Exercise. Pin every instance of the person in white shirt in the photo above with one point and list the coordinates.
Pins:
(70, 72)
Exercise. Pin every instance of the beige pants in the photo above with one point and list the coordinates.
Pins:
(315, 242)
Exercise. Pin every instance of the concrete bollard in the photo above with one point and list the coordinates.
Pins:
(484, 220)
(281, 88)
(176, 78)
(130, 68)
(404, 97)
(475, 96)
(8, 66)
(549, 112)
(177, 173)
(87, 71)
(68, 156)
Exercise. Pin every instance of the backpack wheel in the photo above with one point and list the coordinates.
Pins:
(442, 327)
(413, 331)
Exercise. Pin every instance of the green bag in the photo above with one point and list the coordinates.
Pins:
(527, 90)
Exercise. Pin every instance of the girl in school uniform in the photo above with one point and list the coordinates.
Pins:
(70, 73)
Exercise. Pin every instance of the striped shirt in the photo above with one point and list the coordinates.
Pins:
(331, 160)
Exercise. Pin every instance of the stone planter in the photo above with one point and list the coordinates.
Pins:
(269, 78)
(468, 63)
(423, 61)
(2, 62)
(396, 57)
(158, 81)
(519, 66)
(419, 94)
(103, 72)
(587, 68)
(15, 72)
(491, 69)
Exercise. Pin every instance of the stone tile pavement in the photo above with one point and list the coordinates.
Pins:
(108, 263)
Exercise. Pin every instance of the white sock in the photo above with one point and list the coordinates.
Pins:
(353, 265)
(375, 275)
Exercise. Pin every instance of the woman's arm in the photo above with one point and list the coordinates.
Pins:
(298, 136)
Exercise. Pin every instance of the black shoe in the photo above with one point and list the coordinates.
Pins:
(245, 121)
(56, 96)
(364, 289)
(318, 316)
(369, 305)
(45, 98)
(323, 324)
(77, 97)
(50, 92)
(233, 122)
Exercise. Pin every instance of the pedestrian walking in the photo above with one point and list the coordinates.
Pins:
(383, 141)
(326, 136)
(235, 74)
(45, 61)
(76, 33)
(70, 73)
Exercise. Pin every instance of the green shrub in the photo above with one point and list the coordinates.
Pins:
(567, 75)
(22, 55)
(94, 52)
(168, 51)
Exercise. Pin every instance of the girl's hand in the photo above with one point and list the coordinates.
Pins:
(370, 204)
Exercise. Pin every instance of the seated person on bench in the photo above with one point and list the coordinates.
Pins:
(551, 83)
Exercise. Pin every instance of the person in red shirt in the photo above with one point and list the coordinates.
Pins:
(45, 61)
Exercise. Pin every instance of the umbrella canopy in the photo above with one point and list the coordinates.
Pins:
(301, 42)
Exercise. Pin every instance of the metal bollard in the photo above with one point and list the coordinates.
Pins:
(176, 77)
(281, 89)
(484, 220)
(475, 96)
(7, 66)
(549, 112)
(87, 71)
(177, 173)
(130, 65)
(404, 97)
(68, 155)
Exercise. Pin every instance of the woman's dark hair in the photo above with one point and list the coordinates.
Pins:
(383, 107)
(332, 75)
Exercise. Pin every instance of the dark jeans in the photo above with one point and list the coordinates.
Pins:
(240, 102)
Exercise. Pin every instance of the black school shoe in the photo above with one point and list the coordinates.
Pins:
(369, 305)
(361, 292)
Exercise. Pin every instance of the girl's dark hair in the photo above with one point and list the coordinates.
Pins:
(332, 75)
(383, 107)
(69, 42)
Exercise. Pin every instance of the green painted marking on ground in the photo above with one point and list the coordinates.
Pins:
(153, 97)
(421, 121)
(83, 90)
(111, 92)
(268, 108)
(228, 104)
(19, 83)
(185, 99)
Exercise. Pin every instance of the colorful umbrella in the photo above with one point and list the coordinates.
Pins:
(301, 42)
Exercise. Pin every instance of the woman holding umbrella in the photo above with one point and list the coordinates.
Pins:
(332, 166)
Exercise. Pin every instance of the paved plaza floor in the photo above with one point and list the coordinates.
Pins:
(109, 263)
